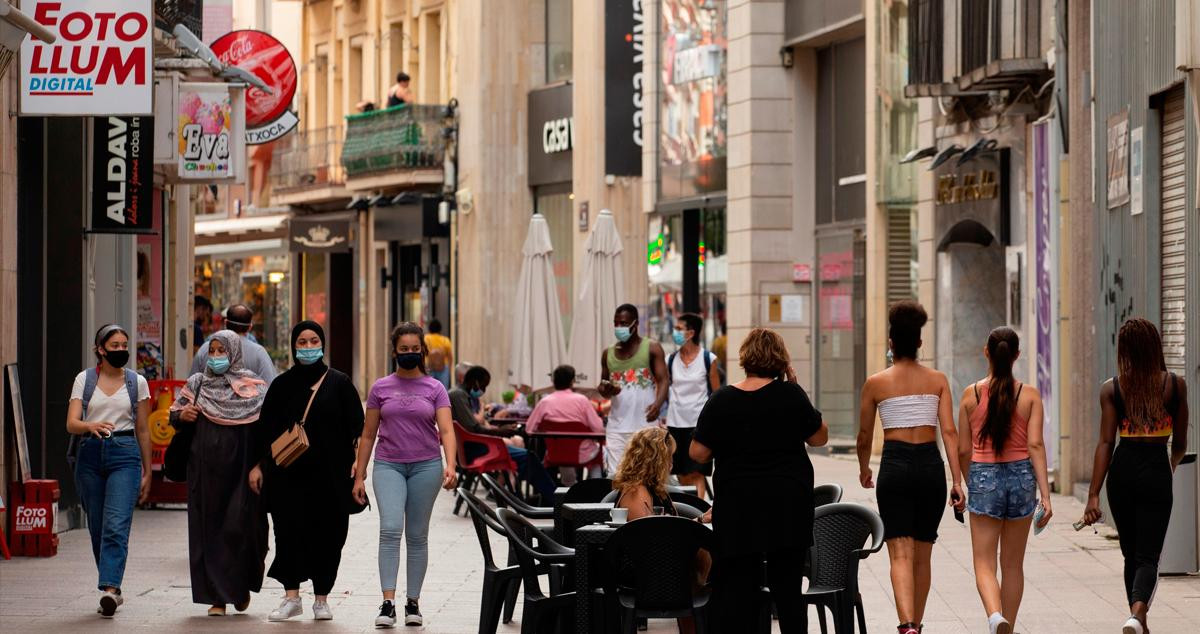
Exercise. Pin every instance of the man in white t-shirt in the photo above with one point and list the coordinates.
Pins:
(693, 375)
(239, 319)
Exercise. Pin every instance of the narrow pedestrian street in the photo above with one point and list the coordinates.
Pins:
(1073, 581)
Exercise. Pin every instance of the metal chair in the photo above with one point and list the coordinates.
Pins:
(500, 585)
(827, 494)
(839, 532)
(654, 563)
(534, 550)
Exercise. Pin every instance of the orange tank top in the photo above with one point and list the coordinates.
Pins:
(1016, 446)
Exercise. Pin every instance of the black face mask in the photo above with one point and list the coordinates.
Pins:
(408, 360)
(117, 358)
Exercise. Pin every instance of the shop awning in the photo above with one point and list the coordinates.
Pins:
(235, 226)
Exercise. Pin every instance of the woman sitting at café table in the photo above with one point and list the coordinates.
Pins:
(642, 480)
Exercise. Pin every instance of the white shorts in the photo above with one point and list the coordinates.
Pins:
(614, 448)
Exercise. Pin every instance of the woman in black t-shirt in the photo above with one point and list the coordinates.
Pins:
(757, 429)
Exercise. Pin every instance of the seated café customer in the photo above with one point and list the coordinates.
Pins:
(766, 482)
(467, 410)
(642, 478)
(565, 405)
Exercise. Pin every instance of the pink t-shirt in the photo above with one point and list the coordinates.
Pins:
(407, 417)
(565, 405)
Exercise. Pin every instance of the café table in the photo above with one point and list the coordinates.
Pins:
(571, 516)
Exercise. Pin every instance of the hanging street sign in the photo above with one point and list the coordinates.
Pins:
(268, 114)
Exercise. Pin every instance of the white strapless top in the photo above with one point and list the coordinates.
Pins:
(911, 410)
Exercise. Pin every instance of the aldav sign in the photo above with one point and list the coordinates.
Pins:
(100, 64)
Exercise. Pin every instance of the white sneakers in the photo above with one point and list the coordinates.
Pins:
(286, 610)
(321, 611)
(997, 624)
(109, 602)
(1132, 626)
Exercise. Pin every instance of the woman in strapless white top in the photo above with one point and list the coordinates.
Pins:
(914, 405)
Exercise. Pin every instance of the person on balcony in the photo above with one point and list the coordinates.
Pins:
(399, 93)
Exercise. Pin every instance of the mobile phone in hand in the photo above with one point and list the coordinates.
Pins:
(958, 515)
(1037, 519)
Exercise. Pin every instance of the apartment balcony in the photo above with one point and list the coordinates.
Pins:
(398, 147)
(963, 47)
(190, 13)
(306, 168)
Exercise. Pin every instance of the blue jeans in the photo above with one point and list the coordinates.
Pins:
(108, 474)
(1003, 490)
(442, 376)
(405, 492)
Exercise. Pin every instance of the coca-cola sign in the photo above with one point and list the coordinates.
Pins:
(268, 114)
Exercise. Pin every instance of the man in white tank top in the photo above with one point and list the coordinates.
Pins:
(634, 376)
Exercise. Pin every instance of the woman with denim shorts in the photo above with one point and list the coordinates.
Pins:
(408, 411)
(1000, 434)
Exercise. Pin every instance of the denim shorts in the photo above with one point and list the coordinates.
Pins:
(1003, 490)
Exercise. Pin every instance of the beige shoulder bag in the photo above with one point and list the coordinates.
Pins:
(292, 443)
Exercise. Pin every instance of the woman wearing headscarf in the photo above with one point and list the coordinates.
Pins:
(227, 528)
(309, 499)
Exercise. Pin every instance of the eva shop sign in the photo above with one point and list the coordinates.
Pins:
(210, 130)
(100, 64)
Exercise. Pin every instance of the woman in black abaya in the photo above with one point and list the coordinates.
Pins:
(309, 500)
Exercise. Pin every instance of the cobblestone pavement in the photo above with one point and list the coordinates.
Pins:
(1073, 581)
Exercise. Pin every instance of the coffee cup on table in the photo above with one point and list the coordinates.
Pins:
(619, 515)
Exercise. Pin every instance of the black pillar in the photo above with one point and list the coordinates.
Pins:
(691, 261)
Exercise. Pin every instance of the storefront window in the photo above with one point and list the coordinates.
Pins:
(556, 207)
(316, 298)
(692, 113)
(558, 40)
(261, 283)
(665, 268)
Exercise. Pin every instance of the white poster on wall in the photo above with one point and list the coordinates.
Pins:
(101, 63)
(1136, 167)
(209, 132)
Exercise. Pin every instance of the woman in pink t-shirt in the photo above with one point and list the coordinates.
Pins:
(408, 412)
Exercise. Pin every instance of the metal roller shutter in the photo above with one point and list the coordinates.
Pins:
(1174, 215)
(901, 276)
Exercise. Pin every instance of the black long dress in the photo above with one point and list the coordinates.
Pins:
(308, 499)
(227, 526)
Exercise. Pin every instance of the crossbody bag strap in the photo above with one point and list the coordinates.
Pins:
(315, 387)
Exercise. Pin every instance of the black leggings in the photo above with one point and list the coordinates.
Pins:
(1139, 493)
(737, 599)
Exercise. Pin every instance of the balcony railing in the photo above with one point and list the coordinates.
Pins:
(308, 159)
(402, 137)
(961, 47)
(190, 13)
(925, 41)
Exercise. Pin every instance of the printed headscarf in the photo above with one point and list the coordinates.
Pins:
(233, 398)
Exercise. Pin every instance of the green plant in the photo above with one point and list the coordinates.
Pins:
(508, 397)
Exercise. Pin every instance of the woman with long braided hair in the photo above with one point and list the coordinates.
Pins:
(1147, 405)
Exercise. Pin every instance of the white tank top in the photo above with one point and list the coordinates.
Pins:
(910, 410)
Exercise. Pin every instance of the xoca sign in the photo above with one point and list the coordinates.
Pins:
(100, 64)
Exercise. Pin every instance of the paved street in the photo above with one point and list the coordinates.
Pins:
(1073, 581)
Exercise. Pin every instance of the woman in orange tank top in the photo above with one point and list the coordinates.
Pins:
(1148, 406)
(1000, 438)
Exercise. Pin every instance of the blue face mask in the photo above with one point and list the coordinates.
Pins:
(218, 365)
(476, 393)
(309, 356)
(623, 333)
(679, 337)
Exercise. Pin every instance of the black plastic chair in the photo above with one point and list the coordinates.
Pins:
(654, 564)
(499, 584)
(586, 491)
(839, 532)
(506, 498)
(541, 612)
(827, 494)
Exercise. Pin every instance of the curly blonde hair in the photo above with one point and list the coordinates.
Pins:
(647, 461)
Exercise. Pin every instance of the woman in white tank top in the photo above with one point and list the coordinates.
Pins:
(914, 404)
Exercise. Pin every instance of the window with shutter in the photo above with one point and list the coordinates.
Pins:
(1174, 215)
(901, 254)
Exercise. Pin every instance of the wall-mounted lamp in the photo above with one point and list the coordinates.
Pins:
(786, 57)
